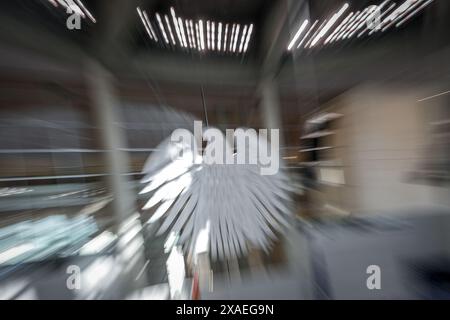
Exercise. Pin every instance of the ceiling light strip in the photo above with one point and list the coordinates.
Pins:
(144, 22)
(339, 27)
(236, 37)
(161, 27)
(172, 38)
(330, 23)
(249, 34)
(315, 34)
(244, 33)
(219, 36)
(307, 33)
(298, 33)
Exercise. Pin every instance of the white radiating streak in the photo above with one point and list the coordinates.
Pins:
(413, 13)
(168, 173)
(330, 23)
(171, 240)
(86, 11)
(129, 222)
(388, 10)
(147, 20)
(225, 38)
(191, 27)
(172, 38)
(338, 28)
(236, 37)
(167, 195)
(183, 35)
(249, 34)
(297, 34)
(202, 37)
(202, 241)
(161, 27)
(219, 36)
(188, 33)
(308, 44)
(98, 244)
(15, 252)
(144, 23)
(307, 33)
(177, 27)
(232, 37)
(203, 209)
(208, 34)
(176, 272)
(213, 32)
(399, 13)
(243, 37)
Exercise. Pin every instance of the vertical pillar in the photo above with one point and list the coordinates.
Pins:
(106, 110)
(130, 248)
(270, 105)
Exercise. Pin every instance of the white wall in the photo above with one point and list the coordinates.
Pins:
(382, 139)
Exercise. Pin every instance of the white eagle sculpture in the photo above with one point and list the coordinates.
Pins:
(235, 204)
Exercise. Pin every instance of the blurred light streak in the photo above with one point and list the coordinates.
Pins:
(208, 34)
(177, 27)
(213, 32)
(434, 96)
(150, 25)
(88, 13)
(330, 23)
(399, 13)
(356, 22)
(161, 27)
(413, 13)
(219, 36)
(244, 33)
(236, 37)
(315, 33)
(141, 272)
(297, 35)
(388, 10)
(176, 271)
(183, 35)
(249, 34)
(349, 23)
(172, 38)
(307, 33)
(98, 244)
(370, 14)
(233, 32)
(197, 31)
(225, 38)
(15, 252)
(188, 32)
(202, 37)
(191, 28)
(338, 28)
(144, 22)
